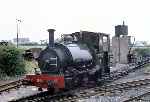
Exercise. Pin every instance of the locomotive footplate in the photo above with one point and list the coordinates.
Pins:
(47, 81)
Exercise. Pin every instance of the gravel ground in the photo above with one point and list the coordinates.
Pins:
(139, 74)
(119, 96)
(20, 92)
(145, 98)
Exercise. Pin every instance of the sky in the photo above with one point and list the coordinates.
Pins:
(68, 16)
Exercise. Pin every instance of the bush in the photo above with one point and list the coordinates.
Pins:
(11, 60)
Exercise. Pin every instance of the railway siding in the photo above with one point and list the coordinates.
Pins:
(106, 90)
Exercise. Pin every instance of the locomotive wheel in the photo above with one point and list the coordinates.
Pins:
(51, 90)
(85, 78)
(77, 81)
(40, 89)
(51, 87)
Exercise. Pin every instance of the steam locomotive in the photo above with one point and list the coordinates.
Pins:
(78, 59)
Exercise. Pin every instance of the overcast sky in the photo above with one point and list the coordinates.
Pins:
(68, 16)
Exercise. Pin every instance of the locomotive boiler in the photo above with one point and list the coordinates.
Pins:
(79, 58)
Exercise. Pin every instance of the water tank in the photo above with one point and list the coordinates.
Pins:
(121, 30)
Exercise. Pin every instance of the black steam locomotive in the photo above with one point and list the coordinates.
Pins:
(79, 58)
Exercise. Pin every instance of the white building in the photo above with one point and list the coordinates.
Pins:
(21, 40)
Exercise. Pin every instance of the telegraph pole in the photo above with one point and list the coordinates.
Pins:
(18, 21)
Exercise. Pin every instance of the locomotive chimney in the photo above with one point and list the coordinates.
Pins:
(51, 37)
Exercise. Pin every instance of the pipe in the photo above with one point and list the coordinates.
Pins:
(51, 37)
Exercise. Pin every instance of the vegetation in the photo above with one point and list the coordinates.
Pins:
(30, 44)
(143, 51)
(11, 61)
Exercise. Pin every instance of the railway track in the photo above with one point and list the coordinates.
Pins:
(11, 85)
(123, 72)
(84, 94)
(103, 90)
(139, 98)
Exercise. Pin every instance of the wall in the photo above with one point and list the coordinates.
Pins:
(120, 49)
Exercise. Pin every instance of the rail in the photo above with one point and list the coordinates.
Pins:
(10, 85)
